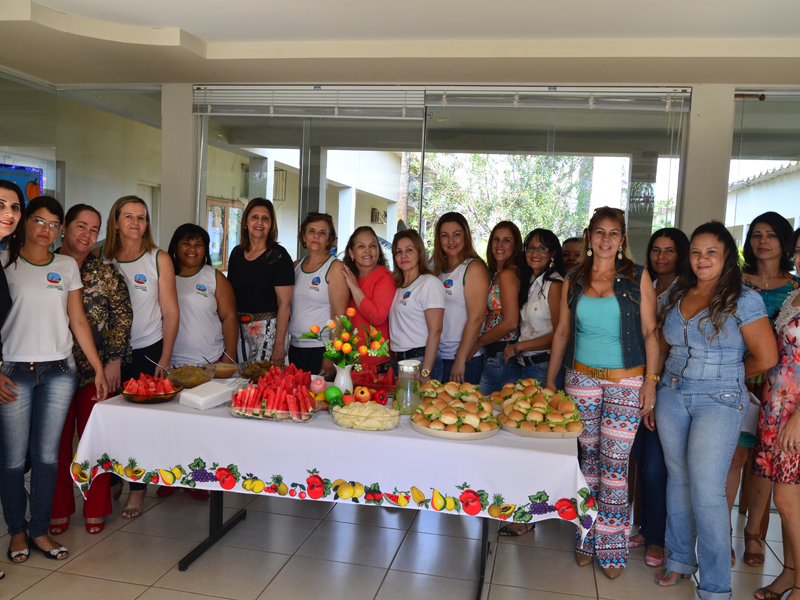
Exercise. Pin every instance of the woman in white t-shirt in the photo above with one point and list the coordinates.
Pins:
(156, 317)
(37, 350)
(417, 313)
(466, 280)
(209, 327)
(320, 294)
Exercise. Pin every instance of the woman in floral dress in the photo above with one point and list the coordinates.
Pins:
(777, 452)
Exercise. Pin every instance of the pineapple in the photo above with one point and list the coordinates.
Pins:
(129, 470)
(497, 502)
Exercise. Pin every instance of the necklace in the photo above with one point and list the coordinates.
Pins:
(604, 277)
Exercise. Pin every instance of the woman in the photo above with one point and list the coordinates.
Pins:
(541, 280)
(320, 294)
(609, 374)
(260, 271)
(767, 251)
(707, 322)
(209, 327)
(502, 317)
(150, 277)
(465, 280)
(108, 309)
(778, 446)
(37, 352)
(667, 259)
(417, 313)
(371, 286)
(572, 253)
(12, 236)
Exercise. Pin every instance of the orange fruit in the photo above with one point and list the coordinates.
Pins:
(373, 332)
(347, 348)
(337, 345)
(355, 341)
(375, 345)
(362, 350)
(315, 329)
(350, 312)
(345, 336)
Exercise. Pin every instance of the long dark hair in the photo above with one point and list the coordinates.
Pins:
(491, 261)
(584, 267)
(782, 229)
(188, 231)
(15, 240)
(729, 287)
(351, 264)
(681, 248)
(549, 239)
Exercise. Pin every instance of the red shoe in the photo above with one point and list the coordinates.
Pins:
(58, 529)
(164, 491)
(95, 528)
(199, 494)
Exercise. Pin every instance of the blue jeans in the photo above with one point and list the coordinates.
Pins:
(33, 423)
(473, 369)
(537, 371)
(652, 486)
(699, 424)
(496, 374)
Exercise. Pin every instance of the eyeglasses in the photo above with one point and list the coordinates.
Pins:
(41, 222)
(539, 249)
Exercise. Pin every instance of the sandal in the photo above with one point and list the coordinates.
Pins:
(53, 554)
(664, 576)
(506, 530)
(753, 559)
(58, 528)
(95, 528)
(653, 561)
(769, 594)
(131, 511)
(13, 555)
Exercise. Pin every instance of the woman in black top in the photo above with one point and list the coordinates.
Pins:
(262, 276)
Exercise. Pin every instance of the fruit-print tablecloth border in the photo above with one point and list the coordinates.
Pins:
(505, 477)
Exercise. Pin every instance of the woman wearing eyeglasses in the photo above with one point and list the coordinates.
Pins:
(37, 350)
(261, 273)
(150, 276)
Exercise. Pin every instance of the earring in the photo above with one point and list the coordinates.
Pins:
(589, 251)
(552, 262)
(619, 253)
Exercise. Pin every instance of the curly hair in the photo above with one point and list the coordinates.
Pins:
(782, 229)
(729, 286)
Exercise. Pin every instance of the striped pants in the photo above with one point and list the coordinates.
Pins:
(610, 414)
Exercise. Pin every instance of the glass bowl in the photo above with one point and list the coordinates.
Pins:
(190, 376)
(366, 416)
(225, 370)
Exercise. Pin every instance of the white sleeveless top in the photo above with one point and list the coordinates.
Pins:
(455, 310)
(200, 331)
(141, 275)
(311, 304)
(535, 318)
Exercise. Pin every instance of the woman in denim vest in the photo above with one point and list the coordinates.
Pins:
(707, 322)
(606, 332)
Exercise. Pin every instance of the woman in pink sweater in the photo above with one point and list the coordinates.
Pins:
(371, 287)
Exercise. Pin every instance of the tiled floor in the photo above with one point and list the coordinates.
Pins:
(303, 550)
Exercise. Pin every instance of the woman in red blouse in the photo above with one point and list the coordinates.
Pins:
(371, 286)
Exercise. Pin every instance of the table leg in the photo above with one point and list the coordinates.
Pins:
(216, 529)
(485, 551)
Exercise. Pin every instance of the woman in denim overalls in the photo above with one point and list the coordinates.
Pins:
(708, 320)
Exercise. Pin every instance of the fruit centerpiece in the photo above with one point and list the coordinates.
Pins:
(529, 409)
(347, 346)
(281, 395)
(454, 410)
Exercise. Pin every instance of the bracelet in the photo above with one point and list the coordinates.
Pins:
(654, 376)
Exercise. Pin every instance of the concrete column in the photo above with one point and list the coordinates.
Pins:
(259, 180)
(347, 215)
(706, 162)
(179, 147)
(391, 219)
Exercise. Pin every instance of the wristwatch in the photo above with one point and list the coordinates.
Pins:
(654, 376)
(425, 373)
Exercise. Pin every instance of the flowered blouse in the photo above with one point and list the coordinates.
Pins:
(110, 315)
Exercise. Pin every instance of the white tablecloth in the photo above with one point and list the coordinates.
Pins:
(541, 478)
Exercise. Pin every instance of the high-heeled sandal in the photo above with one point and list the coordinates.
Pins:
(753, 559)
(59, 528)
(769, 594)
(95, 528)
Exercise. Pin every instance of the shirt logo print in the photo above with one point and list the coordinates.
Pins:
(53, 278)
(140, 279)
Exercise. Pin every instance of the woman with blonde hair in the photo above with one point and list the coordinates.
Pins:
(415, 319)
(465, 279)
(605, 338)
(260, 271)
(150, 277)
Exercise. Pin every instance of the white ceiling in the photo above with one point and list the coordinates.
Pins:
(359, 20)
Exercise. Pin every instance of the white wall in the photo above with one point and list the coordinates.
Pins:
(780, 194)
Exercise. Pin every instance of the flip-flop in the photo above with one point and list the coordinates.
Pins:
(507, 531)
(666, 574)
